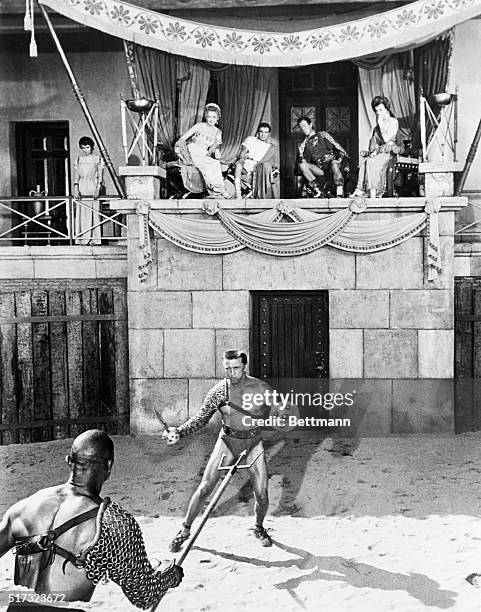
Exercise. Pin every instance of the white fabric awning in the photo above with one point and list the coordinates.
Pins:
(405, 26)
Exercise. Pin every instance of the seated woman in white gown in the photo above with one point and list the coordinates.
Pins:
(202, 142)
(383, 143)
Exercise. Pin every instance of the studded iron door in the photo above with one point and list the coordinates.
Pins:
(290, 334)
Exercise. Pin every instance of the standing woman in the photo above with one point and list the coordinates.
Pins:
(203, 148)
(88, 176)
(383, 143)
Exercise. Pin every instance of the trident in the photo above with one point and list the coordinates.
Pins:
(231, 470)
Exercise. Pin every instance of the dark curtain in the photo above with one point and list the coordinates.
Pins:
(194, 83)
(390, 78)
(371, 63)
(179, 83)
(431, 73)
(156, 74)
(244, 97)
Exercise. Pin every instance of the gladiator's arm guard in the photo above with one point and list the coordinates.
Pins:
(213, 400)
(120, 555)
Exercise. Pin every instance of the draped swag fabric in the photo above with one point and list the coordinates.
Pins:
(284, 239)
(263, 232)
(388, 31)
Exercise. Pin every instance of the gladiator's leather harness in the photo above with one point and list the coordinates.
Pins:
(46, 542)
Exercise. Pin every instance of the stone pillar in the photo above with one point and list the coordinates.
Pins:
(437, 178)
(142, 182)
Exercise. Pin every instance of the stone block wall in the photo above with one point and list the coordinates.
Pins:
(387, 321)
(57, 262)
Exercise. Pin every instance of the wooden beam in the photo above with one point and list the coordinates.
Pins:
(18, 6)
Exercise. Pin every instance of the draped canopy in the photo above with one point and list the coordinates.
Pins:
(402, 27)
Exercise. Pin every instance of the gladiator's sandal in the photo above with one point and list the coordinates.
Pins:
(179, 539)
(262, 535)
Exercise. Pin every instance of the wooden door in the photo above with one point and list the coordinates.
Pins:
(327, 94)
(290, 343)
(63, 359)
(290, 334)
(43, 163)
(467, 354)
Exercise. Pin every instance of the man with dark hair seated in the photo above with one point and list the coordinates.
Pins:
(319, 155)
(66, 538)
(257, 162)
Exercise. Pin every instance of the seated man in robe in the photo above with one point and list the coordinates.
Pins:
(319, 155)
(257, 160)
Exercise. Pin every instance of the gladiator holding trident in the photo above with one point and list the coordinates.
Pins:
(67, 538)
(239, 433)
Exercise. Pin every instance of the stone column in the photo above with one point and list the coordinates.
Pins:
(142, 182)
(438, 178)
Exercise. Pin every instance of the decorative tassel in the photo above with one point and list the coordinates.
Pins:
(33, 42)
(27, 20)
(145, 263)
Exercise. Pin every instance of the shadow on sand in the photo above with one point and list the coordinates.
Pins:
(359, 575)
(288, 457)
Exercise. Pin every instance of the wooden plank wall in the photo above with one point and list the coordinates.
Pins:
(63, 359)
(467, 354)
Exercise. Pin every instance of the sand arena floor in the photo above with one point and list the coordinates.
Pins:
(395, 525)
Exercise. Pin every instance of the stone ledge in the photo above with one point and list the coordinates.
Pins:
(326, 205)
(36, 262)
(467, 248)
(142, 171)
(439, 167)
(67, 251)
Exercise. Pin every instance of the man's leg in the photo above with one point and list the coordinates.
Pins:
(259, 479)
(338, 178)
(209, 480)
(239, 167)
(311, 172)
(359, 191)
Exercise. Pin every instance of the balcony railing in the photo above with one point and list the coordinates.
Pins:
(60, 220)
